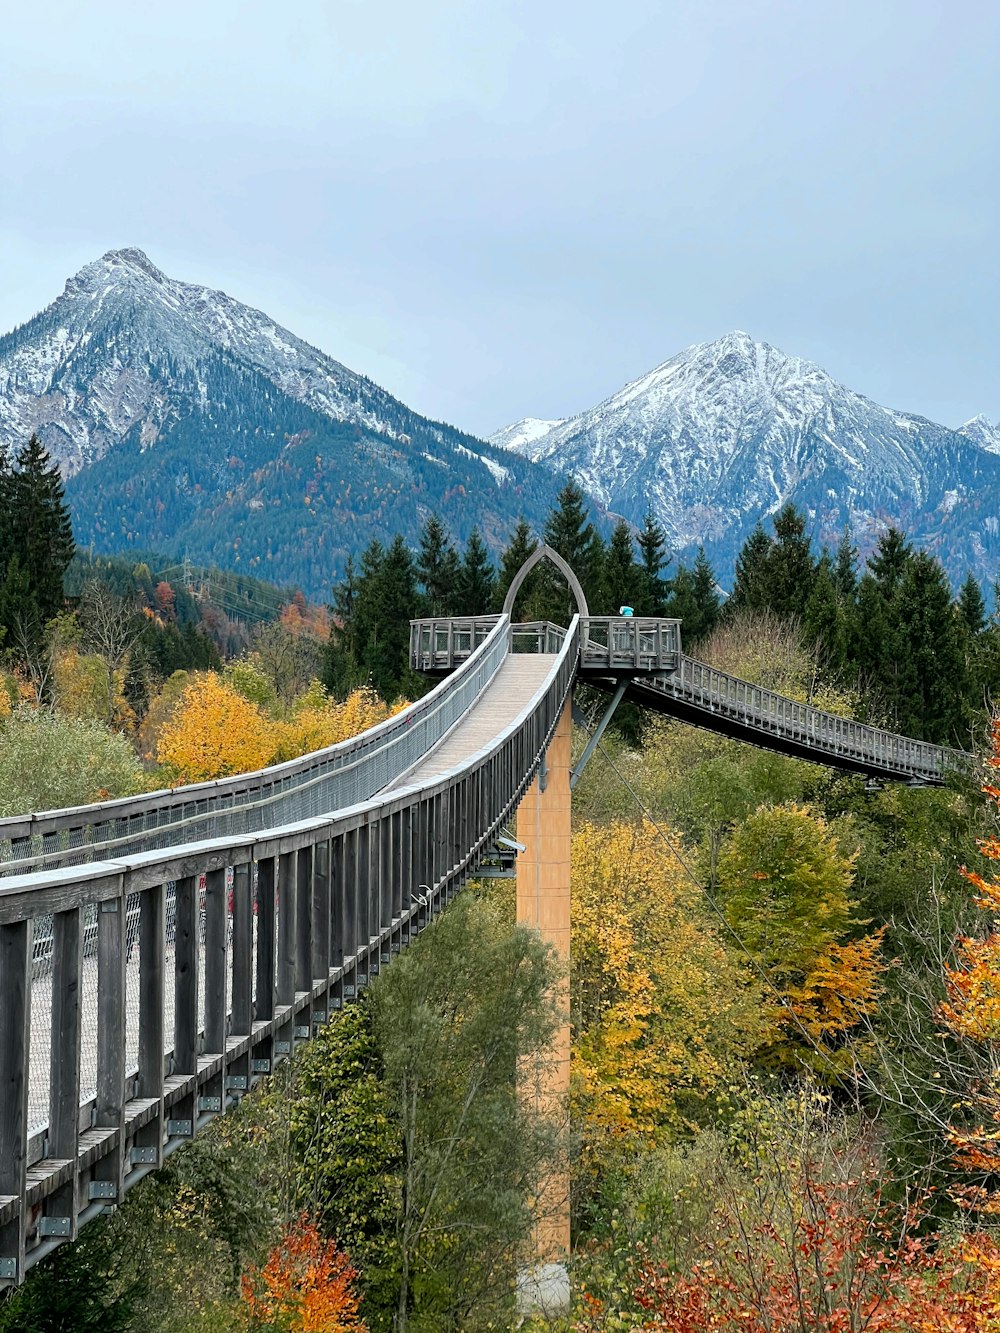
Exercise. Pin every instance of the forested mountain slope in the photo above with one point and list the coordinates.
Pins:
(189, 423)
(726, 433)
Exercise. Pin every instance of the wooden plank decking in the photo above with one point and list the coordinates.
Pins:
(499, 704)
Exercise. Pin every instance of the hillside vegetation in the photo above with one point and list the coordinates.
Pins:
(784, 1096)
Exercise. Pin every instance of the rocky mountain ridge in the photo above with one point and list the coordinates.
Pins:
(188, 422)
(721, 435)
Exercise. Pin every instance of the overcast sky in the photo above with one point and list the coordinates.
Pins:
(502, 208)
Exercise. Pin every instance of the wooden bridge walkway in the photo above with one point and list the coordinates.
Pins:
(136, 1005)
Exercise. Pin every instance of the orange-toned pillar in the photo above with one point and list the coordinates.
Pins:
(543, 901)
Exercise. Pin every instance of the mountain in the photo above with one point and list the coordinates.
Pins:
(983, 432)
(189, 423)
(726, 432)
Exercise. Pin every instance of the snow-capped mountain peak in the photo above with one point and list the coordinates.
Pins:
(982, 431)
(87, 370)
(187, 422)
(727, 431)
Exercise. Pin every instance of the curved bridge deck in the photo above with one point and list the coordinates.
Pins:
(646, 656)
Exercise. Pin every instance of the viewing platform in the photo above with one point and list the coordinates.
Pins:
(609, 645)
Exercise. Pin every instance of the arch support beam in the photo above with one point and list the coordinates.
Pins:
(541, 553)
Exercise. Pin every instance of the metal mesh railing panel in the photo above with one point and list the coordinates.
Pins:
(328, 780)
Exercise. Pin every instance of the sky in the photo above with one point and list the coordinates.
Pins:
(511, 208)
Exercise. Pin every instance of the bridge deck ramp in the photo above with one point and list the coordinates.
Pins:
(517, 680)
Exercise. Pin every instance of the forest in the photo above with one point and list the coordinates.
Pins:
(785, 1105)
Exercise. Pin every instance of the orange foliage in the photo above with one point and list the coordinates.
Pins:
(972, 1009)
(302, 620)
(840, 988)
(305, 1286)
(834, 1258)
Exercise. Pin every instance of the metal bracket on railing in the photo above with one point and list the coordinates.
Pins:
(599, 731)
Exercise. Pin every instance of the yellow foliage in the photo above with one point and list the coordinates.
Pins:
(80, 685)
(319, 721)
(214, 732)
(661, 1011)
(785, 882)
(204, 727)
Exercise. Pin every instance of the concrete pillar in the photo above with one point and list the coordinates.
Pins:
(543, 901)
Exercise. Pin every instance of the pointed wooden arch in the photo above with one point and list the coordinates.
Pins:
(540, 553)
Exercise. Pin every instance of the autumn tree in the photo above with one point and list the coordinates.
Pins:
(214, 732)
(972, 1012)
(784, 883)
(306, 1286)
(803, 1239)
(662, 1011)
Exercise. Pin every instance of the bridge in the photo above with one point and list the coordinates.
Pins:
(161, 954)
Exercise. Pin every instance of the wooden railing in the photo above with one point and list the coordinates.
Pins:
(629, 645)
(328, 779)
(115, 1061)
(714, 699)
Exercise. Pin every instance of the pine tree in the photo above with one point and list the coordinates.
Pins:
(825, 624)
(622, 581)
(476, 579)
(654, 559)
(845, 569)
(340, 662)
(393, 598)
(931, 700)
(889, 561)
(520, 547)
(367, 629)
(36, 538)
(751, 586)
(569, 531)
(971, 606)
(790, 564)
(437, 568)
(706, 597)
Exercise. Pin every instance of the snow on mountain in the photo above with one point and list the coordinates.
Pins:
(521, 435)
(724, 433)
(188, 422)
(85, 371)
(983, 432)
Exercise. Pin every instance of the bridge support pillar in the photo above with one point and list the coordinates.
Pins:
(543, 901)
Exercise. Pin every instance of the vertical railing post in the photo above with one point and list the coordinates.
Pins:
(386, 830)
(337, 913)
(111, 1094)
(264, 985)
(238, 1075)
(321, 928)
(287, 903)
(64, 1065)
(15, 1048)
(152, 960)
(303, 938)
(213, 1099)
(363, 873)
(349, 912)
(186, 966)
